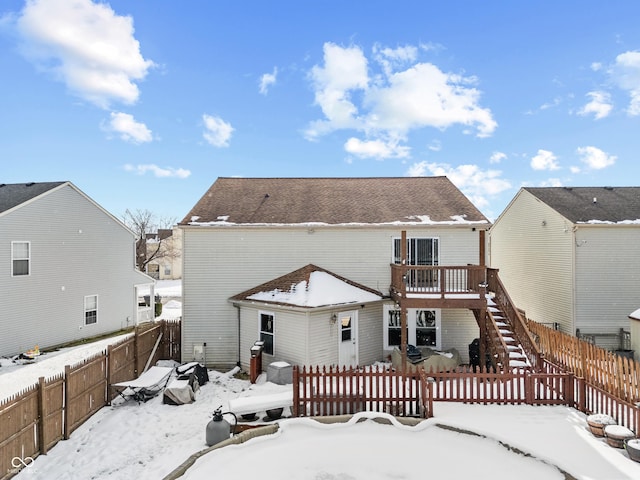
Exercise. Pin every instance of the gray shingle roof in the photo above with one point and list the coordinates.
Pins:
(14, 194)
(332, 201)
(612, 204)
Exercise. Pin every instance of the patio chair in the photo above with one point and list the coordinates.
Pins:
(146, 386)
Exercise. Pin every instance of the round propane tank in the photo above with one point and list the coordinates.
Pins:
(218, 429)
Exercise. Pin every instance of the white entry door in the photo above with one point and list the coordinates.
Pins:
(348, 338)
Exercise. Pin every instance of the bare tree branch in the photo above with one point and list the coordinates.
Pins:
(152, 236)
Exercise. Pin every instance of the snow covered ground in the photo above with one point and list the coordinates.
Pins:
(150, 440)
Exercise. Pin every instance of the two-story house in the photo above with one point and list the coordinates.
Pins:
(570, 257)
(67, 268)
(256, 249)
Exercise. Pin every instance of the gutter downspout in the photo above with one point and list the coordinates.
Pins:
(239, 337)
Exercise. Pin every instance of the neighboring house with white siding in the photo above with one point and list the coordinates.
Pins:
(165, 249)
(246, 233)
(68, 268)
(569, 257)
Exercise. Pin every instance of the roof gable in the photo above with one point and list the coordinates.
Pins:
(333, 201)
(15, 194)
(592, 204)
(310, 286)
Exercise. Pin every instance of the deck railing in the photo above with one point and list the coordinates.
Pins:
(438, 280)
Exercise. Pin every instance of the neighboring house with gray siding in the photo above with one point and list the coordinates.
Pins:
(246, 232)
(68, 268)
(569, 257)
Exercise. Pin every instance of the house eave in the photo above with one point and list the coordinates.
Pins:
(306, 309)
(311, 225)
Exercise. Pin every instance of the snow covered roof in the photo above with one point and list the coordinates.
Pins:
(635, 315)
(334, 201)
(309, 287)
(14, 194)
(593, 205)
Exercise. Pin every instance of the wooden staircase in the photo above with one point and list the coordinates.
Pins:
(517, 357)
(507, 340)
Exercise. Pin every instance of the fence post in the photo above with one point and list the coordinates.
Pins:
(109, 372)
(135, 351)
(41, 411)
(296, 392)
(582, 394)
(568, 388)
(67, 372)
(528, 389)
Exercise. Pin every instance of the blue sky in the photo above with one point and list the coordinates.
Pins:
(143, 104)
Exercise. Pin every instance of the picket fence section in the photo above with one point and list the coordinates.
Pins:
(334, 391)
(34, 420)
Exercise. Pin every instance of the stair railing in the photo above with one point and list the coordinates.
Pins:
(497, 346)
(513, 316)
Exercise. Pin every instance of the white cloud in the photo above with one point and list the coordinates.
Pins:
(596, 66)
(435, 146)
(551, 182)
(475, 183)
(217, 131)
(600, 105)
(87, 46)
(626, 73)
(424, 96)
(497, 157)
(345, 69)
(158, 171)
(376, 149)
(402, 96)
(390, 58)
(544, 160)
(267, 80)
(128, 129)
(595, 158)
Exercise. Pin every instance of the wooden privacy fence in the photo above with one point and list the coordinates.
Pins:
(34, 420)
(335, 391)
(617, 375)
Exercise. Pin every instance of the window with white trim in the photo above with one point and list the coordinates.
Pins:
(20, 258)
(422, 327)
(420, 251)
(91, 309)
(267, 320)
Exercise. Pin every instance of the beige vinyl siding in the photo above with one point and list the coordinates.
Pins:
(322, 339)
(532, 246)
(608, 278)
(459, 328)
(77, 249)
(219, 262)
(370, 340)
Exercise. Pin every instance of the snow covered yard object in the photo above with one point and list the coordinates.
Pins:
(183, 388)
(617, 434)
(30, 354)
(146, 386)
(598, 421)
(632, 446)
(261, 403)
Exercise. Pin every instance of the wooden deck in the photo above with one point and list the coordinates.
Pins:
(415, 286)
